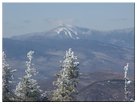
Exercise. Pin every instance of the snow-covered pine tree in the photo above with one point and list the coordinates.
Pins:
(67, 79)
(28, 89)
(7, 80)
(127, 83)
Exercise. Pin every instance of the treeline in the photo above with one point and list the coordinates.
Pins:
(28, 90)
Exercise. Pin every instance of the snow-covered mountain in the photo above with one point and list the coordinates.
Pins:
(61, 32)
(124, 37)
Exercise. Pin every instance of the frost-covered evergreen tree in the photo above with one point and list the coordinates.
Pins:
(28, 89)
(127, 83)
(7, 79)
(67, 79)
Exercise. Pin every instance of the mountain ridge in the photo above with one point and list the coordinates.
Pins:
(73, 32)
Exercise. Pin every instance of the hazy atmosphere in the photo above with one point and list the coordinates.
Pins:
(64, 52)
(21, 18)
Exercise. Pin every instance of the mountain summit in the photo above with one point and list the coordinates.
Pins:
(67, 30)
(63, 31)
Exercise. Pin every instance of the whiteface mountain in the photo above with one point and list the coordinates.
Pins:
(123, 37)
(96, 50)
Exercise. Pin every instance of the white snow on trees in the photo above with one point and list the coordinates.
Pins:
(67, 78)
(28, 89)
(127, 82)
(7, 79)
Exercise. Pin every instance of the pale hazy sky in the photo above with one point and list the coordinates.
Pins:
(21, 18)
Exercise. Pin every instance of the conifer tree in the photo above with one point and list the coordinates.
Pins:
(127, 83)
(67, 79)
(28, 89)
(7, 79)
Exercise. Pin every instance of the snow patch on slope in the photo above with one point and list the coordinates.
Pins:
(68, 30)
